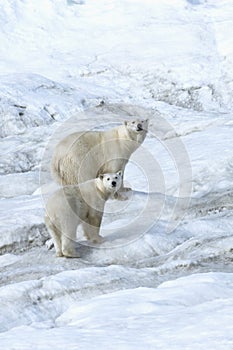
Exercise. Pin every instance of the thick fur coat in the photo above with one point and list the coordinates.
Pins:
(82, 156)
(76, 205)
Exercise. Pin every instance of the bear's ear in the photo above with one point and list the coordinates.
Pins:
(120, 173)
(101, 176)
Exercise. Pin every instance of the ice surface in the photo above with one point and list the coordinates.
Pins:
(189, 312)
(162, 278)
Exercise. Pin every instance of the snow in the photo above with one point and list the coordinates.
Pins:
(162, 278)
(189, 312)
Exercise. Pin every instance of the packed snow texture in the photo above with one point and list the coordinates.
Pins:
(162, 278)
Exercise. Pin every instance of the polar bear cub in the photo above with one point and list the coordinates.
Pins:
(76, 205)
(82, 156)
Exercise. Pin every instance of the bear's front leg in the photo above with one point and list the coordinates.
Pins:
(121, 194)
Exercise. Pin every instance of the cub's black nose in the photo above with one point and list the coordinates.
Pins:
(114, 184)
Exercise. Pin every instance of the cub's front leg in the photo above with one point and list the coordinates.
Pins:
(91, 227)
(68, 237)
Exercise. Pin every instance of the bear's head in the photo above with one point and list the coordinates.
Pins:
(111, 182)
(137, 125)
(137, 129)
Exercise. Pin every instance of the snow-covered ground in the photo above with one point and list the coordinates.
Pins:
(163, 277)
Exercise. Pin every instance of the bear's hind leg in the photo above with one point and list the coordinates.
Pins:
(56, 236)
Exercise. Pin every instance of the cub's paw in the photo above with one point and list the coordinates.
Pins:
(59, 254)
(49, 244)
(97, 239)
(70, 253)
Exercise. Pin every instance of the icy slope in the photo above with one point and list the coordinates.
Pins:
(179, 52)
(70, 65)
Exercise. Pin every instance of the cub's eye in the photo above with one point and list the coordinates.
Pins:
(108, 178)
(116, 177)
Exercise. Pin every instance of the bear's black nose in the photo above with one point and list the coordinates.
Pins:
(114, 184)
(139, 127)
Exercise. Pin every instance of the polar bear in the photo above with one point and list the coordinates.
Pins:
(74, 205)
(82, 156)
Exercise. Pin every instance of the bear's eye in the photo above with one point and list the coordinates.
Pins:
(108, 178)
(133, 122)
(116, 177)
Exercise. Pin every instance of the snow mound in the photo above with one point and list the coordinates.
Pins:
(195, 309)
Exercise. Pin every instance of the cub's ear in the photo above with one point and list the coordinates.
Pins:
(120, 173)
(101, 176)
(125, 122)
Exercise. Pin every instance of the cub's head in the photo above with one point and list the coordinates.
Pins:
(111, 182)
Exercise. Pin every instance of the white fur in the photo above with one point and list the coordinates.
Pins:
(83, 156)
(82, 204)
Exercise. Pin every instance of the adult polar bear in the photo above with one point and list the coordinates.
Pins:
(82, 156)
